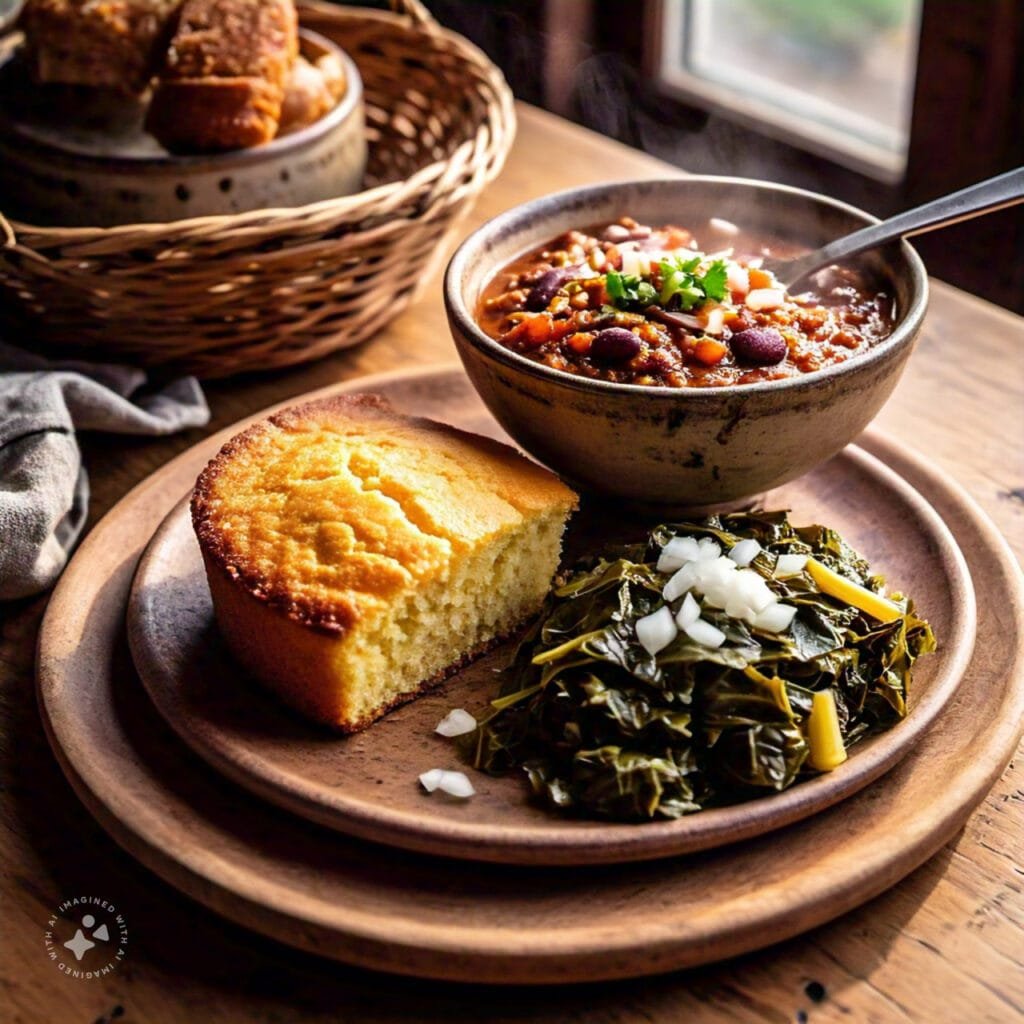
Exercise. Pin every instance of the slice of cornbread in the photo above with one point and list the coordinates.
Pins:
(355, 556)
(224, 75)
(108, 43)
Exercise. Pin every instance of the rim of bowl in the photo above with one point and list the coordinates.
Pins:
(904, 331)
(162, 162)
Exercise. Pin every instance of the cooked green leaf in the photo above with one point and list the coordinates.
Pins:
(603, 728)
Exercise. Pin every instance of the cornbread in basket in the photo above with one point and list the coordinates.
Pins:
(222, 294)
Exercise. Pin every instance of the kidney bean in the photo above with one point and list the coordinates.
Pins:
(545, 287)
(761, 346)
(615, 233)
(614, 345)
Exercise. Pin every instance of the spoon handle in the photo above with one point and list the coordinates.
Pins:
(993, 194)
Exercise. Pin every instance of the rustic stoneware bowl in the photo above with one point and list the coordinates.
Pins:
(677, 448)
(81, 157)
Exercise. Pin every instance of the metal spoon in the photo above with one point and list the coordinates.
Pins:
(985, 197)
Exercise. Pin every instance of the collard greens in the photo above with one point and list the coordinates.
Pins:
(605, 729)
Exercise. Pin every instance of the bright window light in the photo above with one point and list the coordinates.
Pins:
(835, 78)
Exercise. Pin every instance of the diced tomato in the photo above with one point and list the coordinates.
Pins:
(560, 328)
(580, 342)
(709, 352)
(532, 331)
(676, 238)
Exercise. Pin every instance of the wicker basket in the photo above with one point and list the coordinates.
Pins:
(224, 294)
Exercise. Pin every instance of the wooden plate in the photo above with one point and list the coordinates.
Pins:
(366, 785)
(388, 909)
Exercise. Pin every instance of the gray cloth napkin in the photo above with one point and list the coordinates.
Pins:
(44, 491)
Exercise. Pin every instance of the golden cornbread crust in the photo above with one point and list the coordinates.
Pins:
(107, 43)
(356, 556)
(326, 617)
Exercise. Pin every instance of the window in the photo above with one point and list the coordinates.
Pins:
(834, 78)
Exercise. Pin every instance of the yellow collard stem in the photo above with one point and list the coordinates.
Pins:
(867, 601)
(776, 685)
(823, 734)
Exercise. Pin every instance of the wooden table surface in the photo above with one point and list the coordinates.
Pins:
(946, 945)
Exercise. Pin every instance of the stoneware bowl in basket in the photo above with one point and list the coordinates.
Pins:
(82, 157)
(688, 448)
(233, 292)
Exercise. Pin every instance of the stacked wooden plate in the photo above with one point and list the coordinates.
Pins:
(330, 845)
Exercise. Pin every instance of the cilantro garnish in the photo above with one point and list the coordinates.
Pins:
(627, 290)
(682, 286)
(680, 280)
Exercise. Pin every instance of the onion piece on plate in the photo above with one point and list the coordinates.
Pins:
(745, 551)
(456, 723)
(432, 779)
(704, 633)
(657, 630)
(689, 613)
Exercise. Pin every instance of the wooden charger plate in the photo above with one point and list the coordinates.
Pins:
(412, 913)
(367, 785)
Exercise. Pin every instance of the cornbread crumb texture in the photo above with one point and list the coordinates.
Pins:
(343, 505)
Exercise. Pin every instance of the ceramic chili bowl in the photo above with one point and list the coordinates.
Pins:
(681, 448)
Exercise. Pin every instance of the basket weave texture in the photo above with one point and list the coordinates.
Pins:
(224, 294)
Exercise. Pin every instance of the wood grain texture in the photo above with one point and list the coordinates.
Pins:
(944, 946)
(366, 786)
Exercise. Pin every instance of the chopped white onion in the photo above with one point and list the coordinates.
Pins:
(657, 630)
(725, 581)
(725, 227)
(705, 634)
(456, 723)
(745, 551)
(677, 552)
(681, 582)
(737, 608)
(755, 592)
(738, 279)
(765, 298)
(790, 565)
(456, 784)
(776, 618)
(432, 779)
(715, 571)
(707, 549)
(689, 613)
(715, 323)
(630, 259)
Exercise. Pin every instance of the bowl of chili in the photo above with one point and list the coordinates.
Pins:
(627, 335)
